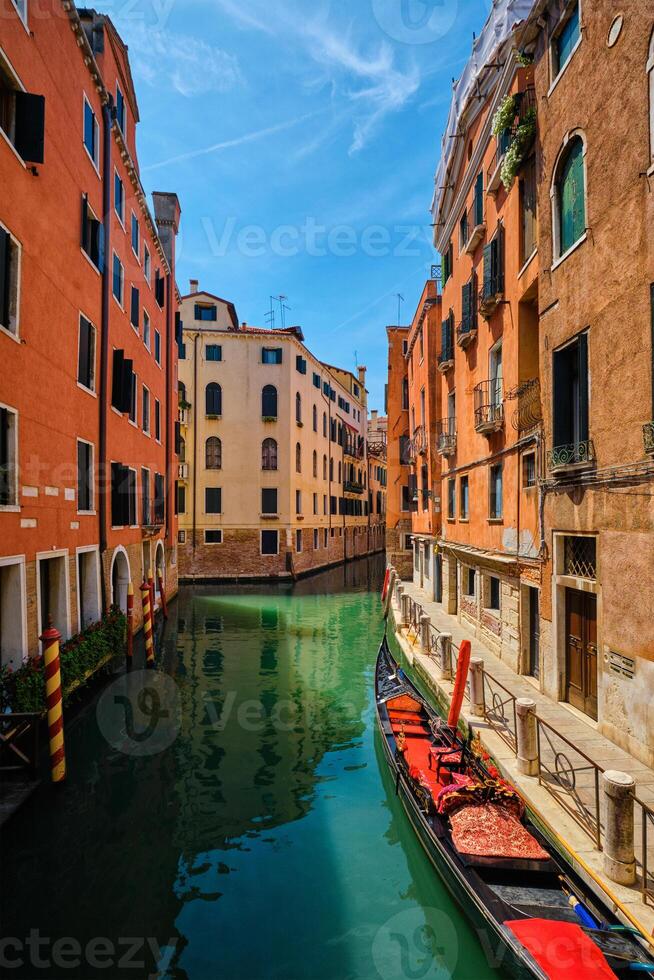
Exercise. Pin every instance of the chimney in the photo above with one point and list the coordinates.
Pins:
(373, 415)
(361, 371)
(194, 283)
(167, 213)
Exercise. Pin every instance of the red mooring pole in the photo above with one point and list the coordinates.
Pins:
(129, 649)
(164, 604)
(50, 640)
(153, 605)
(147, 624)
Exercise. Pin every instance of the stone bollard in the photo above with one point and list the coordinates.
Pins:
(445, 640)
(405, 609)
(425, 639)
(526, 736)
(477, 686)
(619, 858)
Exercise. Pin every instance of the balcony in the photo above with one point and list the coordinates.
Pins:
(648, 437)
(525, 103)
(351, 486)
(576, 456)
(475, 225)
(354, 448)
(182, 471)
(446, 437)
(466, 332)
(529, 410)
(489, 406)
(494, 172)
(183, 414)
(491, 294)
(419, 441)
(446, 358)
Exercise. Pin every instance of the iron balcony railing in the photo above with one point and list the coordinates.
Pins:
(467, 329)
(648, 437)
(351, 486)
(529, 411)
(446, 436)
(491, 289)
(489, 406)
(574, 454)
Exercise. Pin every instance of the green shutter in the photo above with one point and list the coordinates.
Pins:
(571, 197)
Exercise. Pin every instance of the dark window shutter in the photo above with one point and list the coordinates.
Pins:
(465, 302)
(99, 234)
(127, 385)
(159, 289)
(488, 269)
(117, 380)
(5, 258)
(135, 307)
(582, 375)
(84, 359)
(179, 328)
(178, 438)
(30, 126)
(85, 238)
(479, 199)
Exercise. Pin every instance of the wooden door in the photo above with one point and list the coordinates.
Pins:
(581, 651)
(534, 633)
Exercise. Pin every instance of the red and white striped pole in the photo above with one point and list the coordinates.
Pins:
(147, 624)
(164, 604)
(129, 650)
(153, 605)
(53, 696)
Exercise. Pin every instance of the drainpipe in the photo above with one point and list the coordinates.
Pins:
(107, 119)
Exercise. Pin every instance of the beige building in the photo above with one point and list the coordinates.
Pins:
(273, 471)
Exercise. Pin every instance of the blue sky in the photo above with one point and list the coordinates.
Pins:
(301, 137)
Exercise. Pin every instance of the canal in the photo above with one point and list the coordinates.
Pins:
(233, 819)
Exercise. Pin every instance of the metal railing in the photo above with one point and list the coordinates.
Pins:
(446, 436)
(491, 288)
(500, 710)
(529, 411)
(571, 777)
(489, 407)
(19, 741)
(351, 486)
(572, 454)
(446, 356)
(647, 844)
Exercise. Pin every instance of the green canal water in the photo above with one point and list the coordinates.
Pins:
(238, 823)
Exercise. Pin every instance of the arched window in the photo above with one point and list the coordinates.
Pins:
(298, 458)
(182, 449)
(324, 424)
(340, 473)
(213, 452)
(315, 464)
(269, 454)
(324, 467)
(269, 402)
(331, 468)
(298, 407)
(214, 403)
(569, 197)
(650, 78)
(315, 419)
(181, 392)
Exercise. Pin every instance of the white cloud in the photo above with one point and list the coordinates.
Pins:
(189, 64)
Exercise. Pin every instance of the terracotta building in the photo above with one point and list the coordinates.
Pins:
(273, 472)
(87, 304)
(377, 481)
(399, 546)
(490, 433)
(596, 304)
(424, 383)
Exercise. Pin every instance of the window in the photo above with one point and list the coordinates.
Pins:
(181, 535)
(146, 264)
(569, 197)
(446, 265)
(213, 500)
(269, 542)
(146, 330)
(159, 499)
(570, 403)
(157, 420)
(301, 364)
(118, 279)
(529, 470)
(92, 235)
(405, 502)
(181, 498)
(136, 237)
(122, 382)
(324, 467)
(565, 41)
(213, 453)
(298, 540)
(181, 449)
(298, 408)
(316, 381)
(451, 499)
(120, 109)
(495, 484)
(146, 411)
(213, 536)
(405, 395)
(159, 289)
(91, 131)
(314, 414)
(214, 352)
(86, 354)
(528, 192)
(119, 198)
(9, 281)
(214, 399)
(134, 308)
(269, 402)
(316, 542)
(206, 312)
(145, 497)
(123, 496)
(8, 458)
(269, 500)
(468, 581)
(298, 501)
(493, 255)
(133, 409)
(324, 424)
(464, 498)
(157, 347)
(298, 457)
(271, 355)
(22, 116)
(315, 503)
(494, 593)
(269, 454)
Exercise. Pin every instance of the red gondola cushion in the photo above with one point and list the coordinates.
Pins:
(562, 949)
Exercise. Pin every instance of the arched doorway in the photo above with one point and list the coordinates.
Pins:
(159, 569)
(120, 577)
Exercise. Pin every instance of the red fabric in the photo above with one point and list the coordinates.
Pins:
(460, 683)
(562, 949)
(491, 831)
(387, 574)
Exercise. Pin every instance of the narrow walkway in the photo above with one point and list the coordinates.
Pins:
(570, 802)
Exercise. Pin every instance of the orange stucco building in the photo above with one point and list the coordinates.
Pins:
(87, 332)
(399, 548)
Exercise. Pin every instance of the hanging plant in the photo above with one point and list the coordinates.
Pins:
(504, 114)
(524, 59)
(515, 154)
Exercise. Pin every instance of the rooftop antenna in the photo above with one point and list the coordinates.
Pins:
(282, 307)
(270, 315)
(400, 300)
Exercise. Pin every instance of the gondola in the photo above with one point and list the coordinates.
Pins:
(530, 908)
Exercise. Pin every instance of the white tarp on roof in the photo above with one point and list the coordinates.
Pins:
(502, 20)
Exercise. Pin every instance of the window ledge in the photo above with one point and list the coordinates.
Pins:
(88, 391)
(650, 170)
(12, 147)
(528, 262)
(10, 508)
(269, 517)
(573, 248)
(9, 333)
(496, 520)
(464, 520)
(90, 261)
(86, 513)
